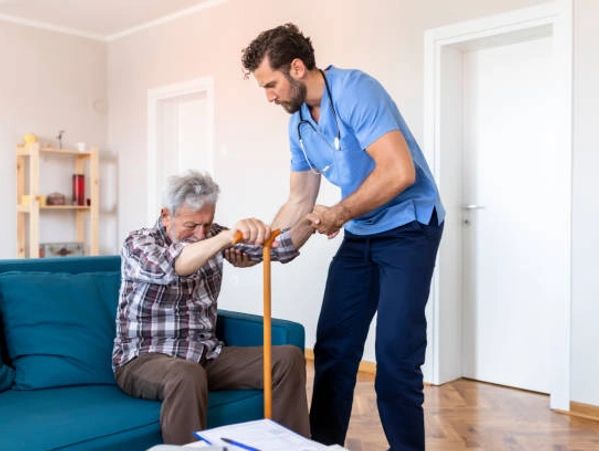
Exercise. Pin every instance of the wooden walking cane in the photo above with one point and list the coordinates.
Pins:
(267, 344)
(267, 339)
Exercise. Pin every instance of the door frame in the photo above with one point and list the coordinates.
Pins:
(157, 95)
(445, 331)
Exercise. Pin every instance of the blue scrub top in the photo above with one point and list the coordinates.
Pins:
(365, 112)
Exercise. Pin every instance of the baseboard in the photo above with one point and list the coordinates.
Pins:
(581, 410)
(365, 366)
(588, 411)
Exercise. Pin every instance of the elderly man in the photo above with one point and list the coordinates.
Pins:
(165, 346)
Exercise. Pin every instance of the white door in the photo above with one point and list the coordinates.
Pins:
(180, 135)
(511, 192)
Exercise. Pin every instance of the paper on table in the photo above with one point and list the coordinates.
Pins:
(265, 435)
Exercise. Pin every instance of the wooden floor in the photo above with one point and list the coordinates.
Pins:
(469, 415)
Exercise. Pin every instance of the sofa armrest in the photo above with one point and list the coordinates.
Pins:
(244, 329)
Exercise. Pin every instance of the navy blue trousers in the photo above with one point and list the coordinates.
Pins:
(389, 273)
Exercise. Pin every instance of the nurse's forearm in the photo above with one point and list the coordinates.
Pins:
(290, 214)
(303, 190)
(378, 189)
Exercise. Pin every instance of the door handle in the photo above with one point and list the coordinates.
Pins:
(473, 207)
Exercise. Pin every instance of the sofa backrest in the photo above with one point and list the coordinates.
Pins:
(23, 270)
(72, 265)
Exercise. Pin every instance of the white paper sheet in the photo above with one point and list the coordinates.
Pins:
(263, 435)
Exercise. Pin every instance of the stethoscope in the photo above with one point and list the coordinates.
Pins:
(302, 121)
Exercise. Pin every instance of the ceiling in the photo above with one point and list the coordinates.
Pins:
(101, 19)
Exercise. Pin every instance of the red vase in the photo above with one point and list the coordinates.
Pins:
(78, 189)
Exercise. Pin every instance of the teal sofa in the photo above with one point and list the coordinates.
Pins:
(56, 385)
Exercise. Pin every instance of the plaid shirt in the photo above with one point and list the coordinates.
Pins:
(162, 312)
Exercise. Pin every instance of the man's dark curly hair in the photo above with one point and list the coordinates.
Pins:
(282, 45)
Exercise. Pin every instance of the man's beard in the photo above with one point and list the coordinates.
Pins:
(298, 96)
(189, 240)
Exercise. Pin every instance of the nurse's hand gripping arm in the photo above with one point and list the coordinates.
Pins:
(393, 172)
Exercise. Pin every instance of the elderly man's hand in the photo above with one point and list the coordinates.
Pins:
(238, 258)
(253, 231)
(327, 220)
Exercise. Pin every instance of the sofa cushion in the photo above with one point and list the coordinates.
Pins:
(102, 417)
(234, 406)
(59, 327)
(90, 417)
(7, 377)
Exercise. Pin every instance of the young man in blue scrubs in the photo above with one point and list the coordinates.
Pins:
(345, 126)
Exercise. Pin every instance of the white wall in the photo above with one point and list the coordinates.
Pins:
(251, 161)
(585, 227)
(52, 81)
(49, 82)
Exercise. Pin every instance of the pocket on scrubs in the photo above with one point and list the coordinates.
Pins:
(351, 164)
(342, 167)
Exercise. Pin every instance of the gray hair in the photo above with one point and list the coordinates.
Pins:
(192, 188)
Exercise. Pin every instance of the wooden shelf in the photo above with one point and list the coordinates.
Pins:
(65, 207)
(27, 208)
(28, 184)
(27, 150)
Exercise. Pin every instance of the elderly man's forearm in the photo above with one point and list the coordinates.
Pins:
(195, 255)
